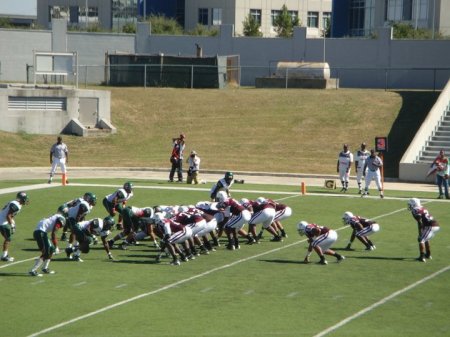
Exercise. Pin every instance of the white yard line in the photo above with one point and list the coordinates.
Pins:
(380, 302)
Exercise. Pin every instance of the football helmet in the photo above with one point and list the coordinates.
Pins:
(301, 227)
(148, 212)
(221, 196)
(63, 210)
(97, 223)
(347, 217)
(261, 200)
(91, 198)
(413, 203)
(229, 177)
(61, 219)
(128, 186)
(244, 201)
(108, 223)
(22, 197)
(182, 209)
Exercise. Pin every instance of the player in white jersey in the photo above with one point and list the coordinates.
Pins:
(47, 245)
(59, 156)
(344, 165)
(7, 223)
(360, 161)
(373, 166)
(115, 202)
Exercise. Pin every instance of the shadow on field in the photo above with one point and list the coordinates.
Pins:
(14, 274)
(283, 261)
(152, 261)
(381, 258)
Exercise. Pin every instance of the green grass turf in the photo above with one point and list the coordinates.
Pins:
(260, 290)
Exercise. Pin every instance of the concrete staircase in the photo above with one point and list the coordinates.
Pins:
(438, 140)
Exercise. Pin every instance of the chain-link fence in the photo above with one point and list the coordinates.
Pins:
(231, 74)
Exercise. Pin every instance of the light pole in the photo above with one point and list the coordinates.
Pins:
(324, 50)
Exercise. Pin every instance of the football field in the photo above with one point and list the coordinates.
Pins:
(258, 290)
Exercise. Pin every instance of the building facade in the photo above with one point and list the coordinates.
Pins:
(364, 17)
(314, 14)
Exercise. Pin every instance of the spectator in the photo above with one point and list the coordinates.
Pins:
(176, 158)
(442, 172)
(194, 167)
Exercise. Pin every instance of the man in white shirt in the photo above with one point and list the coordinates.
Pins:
(59, 156)
(344, 165)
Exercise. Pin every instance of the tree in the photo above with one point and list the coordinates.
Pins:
(251, 27)
(284, 23)
(407, 31)
(129, 28)
(163, 25)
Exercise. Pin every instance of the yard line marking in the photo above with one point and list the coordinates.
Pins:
(79, 284)
(206, 290)
(295, 293)
(249, 292)
(120, 286)
(17, 262)
(167, 287)
(37, 282)
(381, 302)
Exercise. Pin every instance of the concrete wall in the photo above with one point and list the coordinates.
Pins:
(364, 63)
(45, 121)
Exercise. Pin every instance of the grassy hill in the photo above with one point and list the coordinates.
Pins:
(246, 129)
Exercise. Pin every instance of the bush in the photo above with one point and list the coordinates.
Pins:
(163, 25)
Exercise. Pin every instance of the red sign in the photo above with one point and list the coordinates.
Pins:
(381, 144)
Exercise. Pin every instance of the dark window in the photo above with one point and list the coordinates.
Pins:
(203, 16)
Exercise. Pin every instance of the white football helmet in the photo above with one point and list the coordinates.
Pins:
(183, 209)
(261, 200)
(347, 217)
(243, 201)
(301, 227)
(221, 196)
(413, 203)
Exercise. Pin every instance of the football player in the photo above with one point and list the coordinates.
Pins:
(427, 227)
(213, 217)
(69, 204)
(7, 223)
(362, 228)
(223, 184)
(47, 245)
(85, 231)
(360, 161)
(263, 213)
(320, 238)
(344, 165)
(115, 202)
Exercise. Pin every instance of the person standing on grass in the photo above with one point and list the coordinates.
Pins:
(344, 165)
(373, 165)
(427, 227)
(360, 161)
(194, 168)
(7, 223)
(442, 172)
(46, 245)
(59, 156)
(176, 158)
(362, 228)
(320, 238)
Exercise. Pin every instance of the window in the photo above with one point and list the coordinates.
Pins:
(326, 20)
(256, 14)
(217, 16)
(273, 16)
(203, 16)
(313, 19)
(293, 14)
(402, 10)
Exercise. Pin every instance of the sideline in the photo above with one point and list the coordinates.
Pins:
(175, 284)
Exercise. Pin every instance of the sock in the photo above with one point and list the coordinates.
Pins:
(37, 264)
(5, 253)
(46, 264)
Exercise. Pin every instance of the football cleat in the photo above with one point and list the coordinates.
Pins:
(276, 239)
(421, 259)
(48, 271)
(175, 262)
(230, 246)
(340, 258)
(34, 273)
(323, 262)
(77, 258)
(7, 258)
(369, 248)
(69, 252)
(428, 256)
(250, 241)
